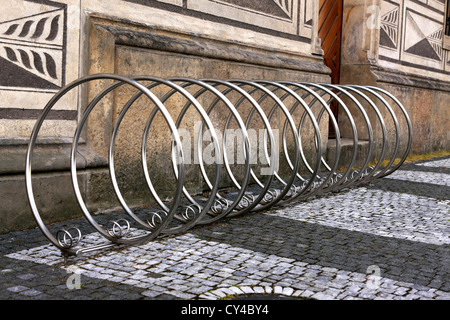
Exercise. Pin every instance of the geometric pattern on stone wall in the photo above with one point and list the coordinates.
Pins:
(389, 26)
(411, 34)
(424, 37)
(306, 21)
(280, 8)
(32, 49)
(308, 14)
(283, 18)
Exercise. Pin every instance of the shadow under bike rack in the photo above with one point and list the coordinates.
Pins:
(250, 192)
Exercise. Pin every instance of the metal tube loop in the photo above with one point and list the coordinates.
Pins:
(281, 128)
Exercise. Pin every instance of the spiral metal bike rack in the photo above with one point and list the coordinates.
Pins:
(299, 180)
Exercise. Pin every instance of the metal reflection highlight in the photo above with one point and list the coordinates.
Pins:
(282, 133)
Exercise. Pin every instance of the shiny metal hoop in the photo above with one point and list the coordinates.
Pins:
(281, 174)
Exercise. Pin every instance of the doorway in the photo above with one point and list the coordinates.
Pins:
(330, 32)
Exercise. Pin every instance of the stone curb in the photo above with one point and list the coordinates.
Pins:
(234, 292)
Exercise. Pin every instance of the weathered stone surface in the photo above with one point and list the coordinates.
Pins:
(53, 193)
(372, 55)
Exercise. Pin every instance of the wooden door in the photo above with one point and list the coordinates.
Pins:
(330, 32)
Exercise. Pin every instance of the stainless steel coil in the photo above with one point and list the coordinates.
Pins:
(285, 122)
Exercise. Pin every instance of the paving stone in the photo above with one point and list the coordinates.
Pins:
(288, 291)
(259, 290)
(320, 249)
(236, 290)
(219, 293)
(31, 293)
(278, 290)
(5, 271)
(18, 289)
(26, 276)
(247, 289)
(322, 296)
(207, 296)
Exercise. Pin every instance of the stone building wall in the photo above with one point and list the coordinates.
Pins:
(399, 45)
(45, 45)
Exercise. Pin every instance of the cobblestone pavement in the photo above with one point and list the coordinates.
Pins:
(387, 240)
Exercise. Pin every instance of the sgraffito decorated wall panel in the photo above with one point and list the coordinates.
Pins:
(411, 37)
(43, 42)
(284, 18)
(415, 64)
(34, 55)
(398, 45)
(32, 46)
